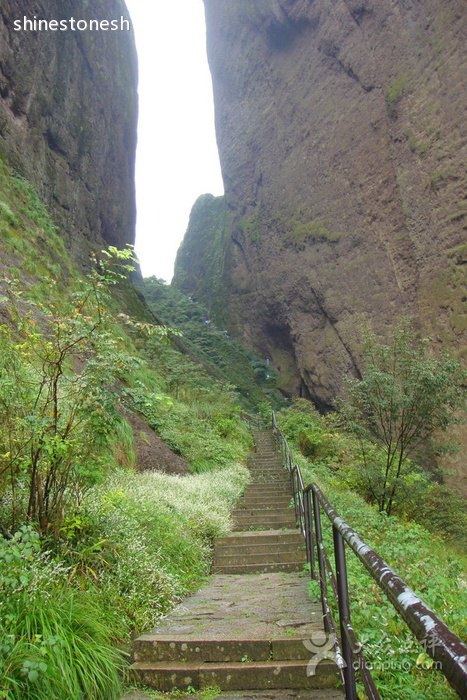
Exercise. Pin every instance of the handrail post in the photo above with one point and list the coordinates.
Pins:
(321, 565)
(344, 614)
(295, 493)
(309, 533)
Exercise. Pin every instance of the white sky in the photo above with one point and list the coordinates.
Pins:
(177, 156)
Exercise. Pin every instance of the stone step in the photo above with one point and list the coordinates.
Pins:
(235, 675)
(270, 536)
(254, 492)
(186, 649)
(272, 458)
(234, 559)
(266, 498)
(272, 473)
(265, 464)
(150, 647)
(270, 466)
(263, 504)
(257, 568)
(267, 513)
(260, 524)
(269, 479)
(258, 489)
(284, 511)
(260, 495)
(259, 548)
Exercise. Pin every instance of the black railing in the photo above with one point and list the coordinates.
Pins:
(444, 647)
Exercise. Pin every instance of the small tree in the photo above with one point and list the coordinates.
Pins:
(404, 396)
(59, 362)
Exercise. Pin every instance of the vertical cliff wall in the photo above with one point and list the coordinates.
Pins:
(340, 132)
(68, 112)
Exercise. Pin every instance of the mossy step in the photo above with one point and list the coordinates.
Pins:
(235, 675)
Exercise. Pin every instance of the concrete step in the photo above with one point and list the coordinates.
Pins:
(270, 536)
(234, 675)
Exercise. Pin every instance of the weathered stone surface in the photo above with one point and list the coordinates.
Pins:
(68, 110)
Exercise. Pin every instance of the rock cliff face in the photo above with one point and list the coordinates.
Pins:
(339, 127)
(68, 110)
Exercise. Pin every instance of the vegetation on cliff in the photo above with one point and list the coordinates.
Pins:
(199, 267)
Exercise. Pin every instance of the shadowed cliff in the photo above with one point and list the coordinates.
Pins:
(68, 111)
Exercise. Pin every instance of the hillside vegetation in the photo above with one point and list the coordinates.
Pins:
(414, 544)
(99, 550)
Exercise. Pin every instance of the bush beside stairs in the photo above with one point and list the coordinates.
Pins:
(246, 629)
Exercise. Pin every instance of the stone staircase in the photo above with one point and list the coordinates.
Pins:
(265, 538)
(248, 628)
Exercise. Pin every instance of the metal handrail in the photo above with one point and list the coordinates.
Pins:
(441, 643)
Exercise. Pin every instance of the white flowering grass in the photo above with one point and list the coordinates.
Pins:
(160, 530)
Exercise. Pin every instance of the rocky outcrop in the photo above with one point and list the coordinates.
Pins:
(68, 110)
(199, 265)
(339, 128)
